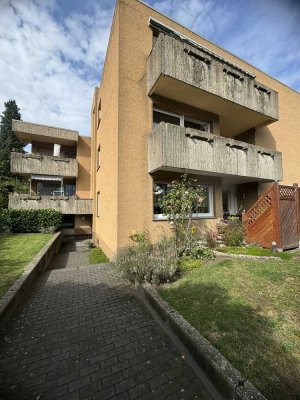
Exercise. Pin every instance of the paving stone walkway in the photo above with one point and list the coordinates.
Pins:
(83, 334)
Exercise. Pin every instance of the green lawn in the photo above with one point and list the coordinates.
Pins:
(255, 251)
(249, 310)
(97, 256)
(16, 251)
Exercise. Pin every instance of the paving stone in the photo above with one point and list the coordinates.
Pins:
(83, 334)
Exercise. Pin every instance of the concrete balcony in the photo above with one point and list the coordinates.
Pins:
(28, 132)
(27, 164)
(188, 73)
(178, 149)
(64, 204)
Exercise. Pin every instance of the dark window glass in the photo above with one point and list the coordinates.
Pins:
(54, 189)
(201, 126)
(161, 189)
(162, 117)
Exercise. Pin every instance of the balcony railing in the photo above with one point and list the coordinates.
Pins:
(26, 164)
(64, 204)
(174, 148)
(180, 71)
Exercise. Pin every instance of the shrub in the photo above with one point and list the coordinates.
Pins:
(211, 238)
(203, 253)
(163, 260)
(4, 220)
(233, 235)
(25, 221)
(151, 263)
(97, 256)
(189, 264)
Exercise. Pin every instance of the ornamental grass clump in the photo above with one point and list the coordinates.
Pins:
(144, 262)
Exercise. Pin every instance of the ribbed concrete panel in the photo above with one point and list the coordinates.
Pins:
(174, 148)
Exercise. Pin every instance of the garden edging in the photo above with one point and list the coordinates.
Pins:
(15, 293)
(230, 255)
(226, 379)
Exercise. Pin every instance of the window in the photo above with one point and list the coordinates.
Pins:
(194, 124)
(98, 204)
(99, 113)
(179, 119)
(98, 157)
(163, 116)
(204, 210)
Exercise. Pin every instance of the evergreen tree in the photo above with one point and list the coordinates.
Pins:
(8, 139)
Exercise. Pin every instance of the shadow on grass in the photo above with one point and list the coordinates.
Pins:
(88, 324)
(242, 334)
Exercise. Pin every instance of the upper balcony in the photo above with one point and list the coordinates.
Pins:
(64, 204)
(27, 164)
(183, 71)
(178, 149)
(28, 132)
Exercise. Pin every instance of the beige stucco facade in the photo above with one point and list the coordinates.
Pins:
(122, 118)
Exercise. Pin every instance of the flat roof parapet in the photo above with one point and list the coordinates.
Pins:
(28, 132)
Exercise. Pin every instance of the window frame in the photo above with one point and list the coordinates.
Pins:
(182, 118)
(98, 205)
(210, 214)
(197, 121)
(98, 157)
(99, 113)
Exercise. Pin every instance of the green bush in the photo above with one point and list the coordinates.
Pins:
(4, 220)
(97, 256)
(233, 235)
(189, 264)
(144, 262)
(202, 253)
(22, 221)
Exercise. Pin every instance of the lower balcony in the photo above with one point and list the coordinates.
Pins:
(27, 164)
(64, 204)
(174, 148)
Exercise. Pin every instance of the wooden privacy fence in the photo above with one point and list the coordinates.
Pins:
(275, 217)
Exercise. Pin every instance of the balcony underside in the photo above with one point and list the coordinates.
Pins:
(28, 132)
(177, 149)
(234, 118)
(187, 74)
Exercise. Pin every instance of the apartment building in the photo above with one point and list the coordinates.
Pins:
(58, 170)
(171, 102)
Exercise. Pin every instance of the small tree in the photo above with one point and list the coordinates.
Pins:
(8, 142)
(182, 200)
(8, 139)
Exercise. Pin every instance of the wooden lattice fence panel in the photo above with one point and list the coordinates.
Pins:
(275, 217)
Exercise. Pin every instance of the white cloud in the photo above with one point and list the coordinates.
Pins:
(50, 68)
(263, 33)
(51, 58)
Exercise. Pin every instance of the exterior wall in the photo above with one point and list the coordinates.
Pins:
(83, 182)
(105, 135)
(123, 178)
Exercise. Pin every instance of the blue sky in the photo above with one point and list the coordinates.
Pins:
(52, 51)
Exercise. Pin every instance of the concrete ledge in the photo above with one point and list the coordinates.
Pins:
(230, 255)
(225, 378)
(14, 295)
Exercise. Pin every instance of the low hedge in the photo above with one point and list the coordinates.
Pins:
(22, 221)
